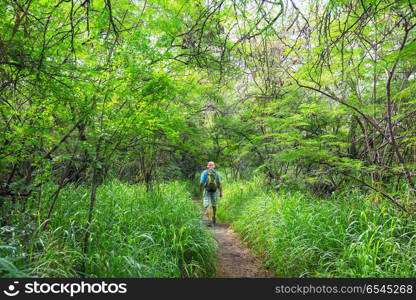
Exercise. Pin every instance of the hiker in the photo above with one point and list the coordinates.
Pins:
(210, 183)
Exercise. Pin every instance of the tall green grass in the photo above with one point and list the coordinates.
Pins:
(135, 233)
(302, 236)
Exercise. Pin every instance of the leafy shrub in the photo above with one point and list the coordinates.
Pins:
(302, 236)
(134, 233)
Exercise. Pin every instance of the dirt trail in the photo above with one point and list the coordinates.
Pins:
(235, 259)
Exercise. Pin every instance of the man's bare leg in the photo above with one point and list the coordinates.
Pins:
(208, 212)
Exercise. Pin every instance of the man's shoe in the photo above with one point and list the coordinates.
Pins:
(213, 220)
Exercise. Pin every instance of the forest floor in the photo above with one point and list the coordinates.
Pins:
(235, 260)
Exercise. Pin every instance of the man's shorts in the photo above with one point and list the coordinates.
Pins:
(210, 198)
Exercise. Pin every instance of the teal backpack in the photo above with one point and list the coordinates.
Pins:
(211, 185)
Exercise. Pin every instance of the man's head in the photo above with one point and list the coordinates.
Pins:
(211, 165)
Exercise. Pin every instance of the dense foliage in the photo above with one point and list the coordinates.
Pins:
(328, 98)
(318, 94)
(299, 235)
(136, 233)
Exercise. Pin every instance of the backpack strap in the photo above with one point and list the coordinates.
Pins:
(207, 170)
(216, 175)
(213, 171)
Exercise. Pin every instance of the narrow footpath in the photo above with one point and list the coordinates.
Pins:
(234, 258)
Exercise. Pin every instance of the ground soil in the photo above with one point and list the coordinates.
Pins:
(234, 258)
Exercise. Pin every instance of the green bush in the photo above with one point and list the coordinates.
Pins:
(302, 236)
(135, 233)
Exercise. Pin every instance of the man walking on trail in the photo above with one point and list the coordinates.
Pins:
(210, 183)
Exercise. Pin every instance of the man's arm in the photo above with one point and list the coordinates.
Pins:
(220, 185)
(202, 182)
